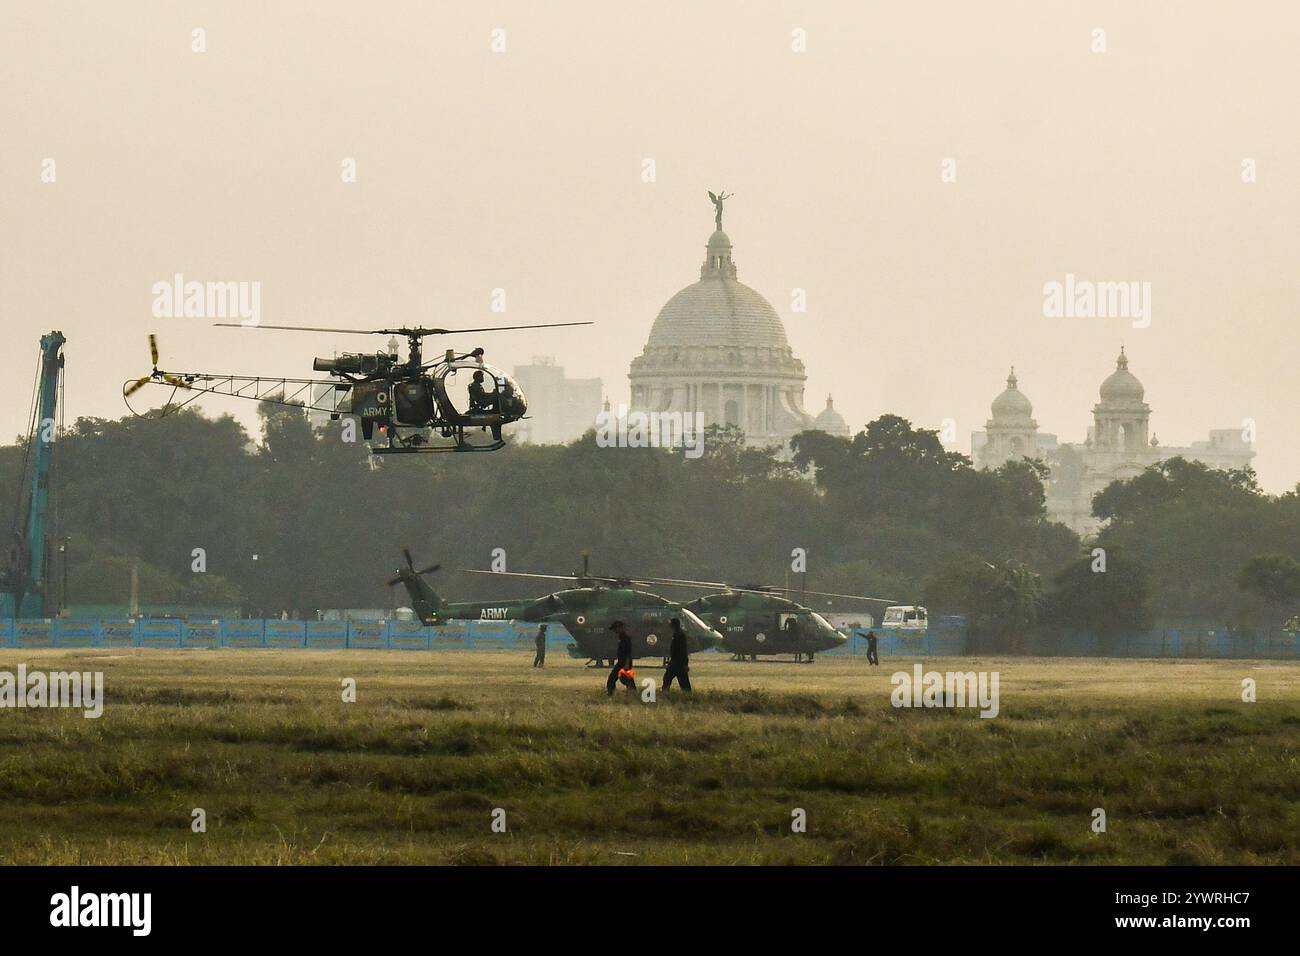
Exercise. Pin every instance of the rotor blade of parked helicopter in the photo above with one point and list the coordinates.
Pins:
(598, 578)
(679, 582)
(523, 574)
(683, 582)
(854, 597)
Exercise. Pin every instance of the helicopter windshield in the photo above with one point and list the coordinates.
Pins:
(475, 389)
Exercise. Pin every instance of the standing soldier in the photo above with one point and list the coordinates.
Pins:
(539, 660)
(871, 649)
(679, 659)
(795, 636)
(622, 671)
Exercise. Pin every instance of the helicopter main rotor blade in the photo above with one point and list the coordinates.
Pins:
(297, 328)
(612, 580)
(523, 574)
(416, 331)
(680, 582)
(489, 328)
(853, 597)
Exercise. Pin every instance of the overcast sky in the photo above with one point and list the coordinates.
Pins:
(523, 170)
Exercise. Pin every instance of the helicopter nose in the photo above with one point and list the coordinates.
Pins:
(709, 637)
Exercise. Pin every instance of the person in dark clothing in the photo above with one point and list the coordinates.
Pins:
(480, 399)
(623, 661)
(679, 659)
(794, 635)
(871, 649)
(539, 660)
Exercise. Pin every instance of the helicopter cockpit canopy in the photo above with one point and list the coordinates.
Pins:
(473, 389)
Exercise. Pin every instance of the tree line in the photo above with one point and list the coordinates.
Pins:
(297, 519)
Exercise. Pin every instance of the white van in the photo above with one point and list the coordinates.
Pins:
(905, 617)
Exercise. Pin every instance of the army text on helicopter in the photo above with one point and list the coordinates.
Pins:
(409, 402)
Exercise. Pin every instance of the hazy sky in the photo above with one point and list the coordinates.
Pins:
(522, 170)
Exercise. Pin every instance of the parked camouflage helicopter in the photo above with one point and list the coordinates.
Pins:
(410, 402)
(758, 620)
(751, 621)
(586, 611)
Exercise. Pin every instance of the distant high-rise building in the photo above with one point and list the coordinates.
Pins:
(560, 409)
(1119, 445)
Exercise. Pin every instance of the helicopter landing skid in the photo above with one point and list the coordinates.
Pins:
(426, 449)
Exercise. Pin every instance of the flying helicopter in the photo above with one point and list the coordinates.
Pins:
(411, 403)
(586, 611)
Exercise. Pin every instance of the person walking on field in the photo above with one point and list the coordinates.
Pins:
(871, 649)
(622, 672)
(539, 660)
(679, 659)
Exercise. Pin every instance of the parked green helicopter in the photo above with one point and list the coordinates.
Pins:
(759, 620)
(586, 611)
(749, 621)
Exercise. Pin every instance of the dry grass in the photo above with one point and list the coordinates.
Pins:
(411, 773)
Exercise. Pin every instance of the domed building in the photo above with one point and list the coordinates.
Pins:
(830, 421)
(1120, 419)
(1012, 432)
(718, 348)
(1119, 445)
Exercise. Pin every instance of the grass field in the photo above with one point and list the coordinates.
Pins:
(410, 773)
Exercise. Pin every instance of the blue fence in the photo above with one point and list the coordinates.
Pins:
(1188, 642)
(943, 638)
(951, 640)
(378, 635)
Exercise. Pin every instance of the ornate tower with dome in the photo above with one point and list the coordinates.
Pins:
(719, 348)
(1121, 419)
(1012, 432)
(1118, 446)
(830, 421)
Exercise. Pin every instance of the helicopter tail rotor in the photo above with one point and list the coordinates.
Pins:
(410, 572)
(155, 373)
(424, 600)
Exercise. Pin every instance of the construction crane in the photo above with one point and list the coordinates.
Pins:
(23, 584)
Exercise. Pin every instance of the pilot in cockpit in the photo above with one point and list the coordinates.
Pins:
(480, 399)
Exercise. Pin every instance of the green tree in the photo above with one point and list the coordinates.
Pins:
(1001, 602)
(1106, 602)
(1274, 577)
